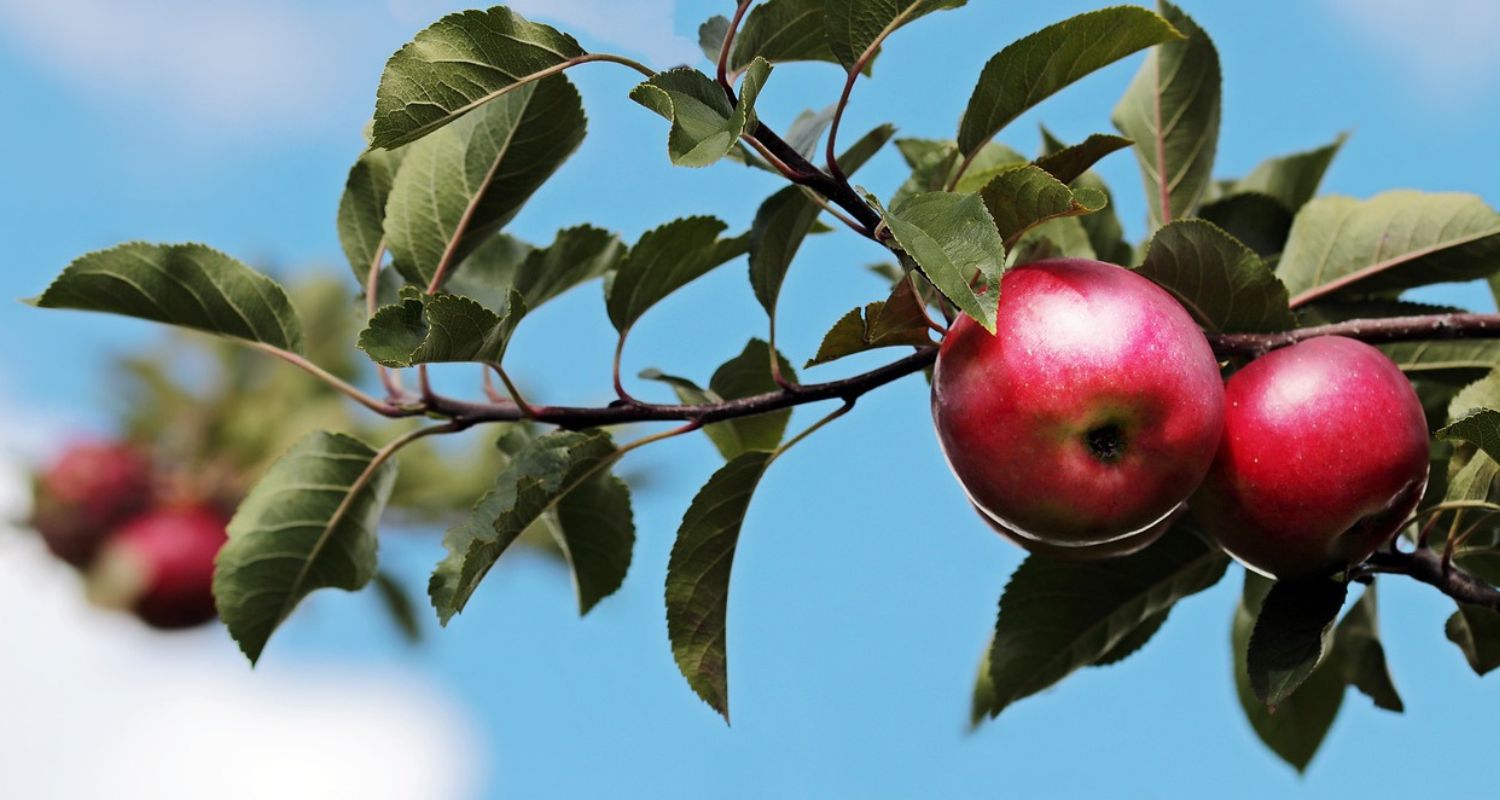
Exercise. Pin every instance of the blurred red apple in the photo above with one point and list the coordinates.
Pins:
(161, 566)
(89, 490)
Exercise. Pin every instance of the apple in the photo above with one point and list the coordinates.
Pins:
(91, 488)
(1087, 552)
(1090, 417)
(161, 566)
(1324, 456)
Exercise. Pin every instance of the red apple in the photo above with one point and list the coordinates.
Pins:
(1324, 455)
(1087, 552)
(1092, 414)
(89, 490)
(161, 566)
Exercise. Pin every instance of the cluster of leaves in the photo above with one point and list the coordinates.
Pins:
(475, 113)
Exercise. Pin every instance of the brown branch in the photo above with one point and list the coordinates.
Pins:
(1373, 331)
(1425, 565)
(724, 50)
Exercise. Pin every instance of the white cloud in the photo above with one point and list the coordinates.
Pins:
(98, 706)
(642, 27)
(237, 69)
(1448, 45)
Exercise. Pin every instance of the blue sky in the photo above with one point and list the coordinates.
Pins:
(864, 588)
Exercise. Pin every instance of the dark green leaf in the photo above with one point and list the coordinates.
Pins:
(458, 64)
(1058, 616)
(1291, 636)
(537, 477)
(786, 217)
(1171, 110)
(1034, 68)
(1291, 179)
(308, 524)
(1476, 631)
(1063, 237)
(934, 163)
(1258, 220)
(1361, 657)
(1134, 640)
(577, 255)
(899, 320)
(398, 603)
(665, 260)
(189, 285)
(428, 329)
(1102, 229)
(745, 375)
(1479, 427)
(1067, 164)
(705, 126)
(1459, 360)
(596, 530)
(711, 36)
(954, 241)
(461, 184)
(1221, 282)
(780, 31)
(854, 26)
(1394, 241)
(698, 576)
(361, 220)
(1023, 197)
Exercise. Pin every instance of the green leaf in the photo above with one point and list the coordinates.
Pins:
(398, 604)
(1480, 427)
(1476, 631)
(457, 65)
(502, 264)
(361, 219)
(596, 531)
(1291, 179)
(780, 31)
(1134, 640)
(1034, 68)
(308, 524)
(1221, 282)
(1393, 241)
(705, 126)
(1361, 657)
(954, 241)
(934, 163)
(1171, 110)
(461, 184)
(894, 322)
(665, 260)
(1102, 229)
(1058, 616)
(429, 329)
(711, 36)
(1023, 197)
(1301, 721)
(807, 129)
(1063, 237)
(698, 573)
(1459, 360)
(188, 285)
(1258, 220)
(1292, 636)
(1068, 164)
(786, 217)
(537, 477)
(745, 375)
(854, 26)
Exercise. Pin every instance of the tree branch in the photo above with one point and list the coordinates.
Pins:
(1425, 565)
(1373, 331)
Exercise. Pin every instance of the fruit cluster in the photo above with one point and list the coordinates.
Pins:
(143, 545)
(1098, 413)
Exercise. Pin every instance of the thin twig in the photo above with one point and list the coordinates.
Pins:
(724, 49)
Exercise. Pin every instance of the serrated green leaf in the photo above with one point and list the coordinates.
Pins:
(1058, 616)
(935, 162)
(1035, 67)
(1393, 241)
(1134, 640)
(711, 36)
(1301, 722)
(664, 260)
(953, 239)
(188, 285)
(1260, 221)
(1063, 237)
(697, 592)
(596, 529)
(780, 31)
(894, 322)
(1023, 197)
(745, 375)
(430, 329)
(1292, 636)
(1361, 656)
(537, 477)
(1068, 164)
(308, 524)
(1291, 179)
(1171, 110)
(1479, 427)
(854, 26)
(502, 264)
(361, 218)
(786, 218)
(1102, 229)
(1221, 282)
(458, 64)
(458, 186)
(705, 126)
(1476, 631)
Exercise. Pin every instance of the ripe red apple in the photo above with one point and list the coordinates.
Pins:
(1092, 414)
(1118, 548)
(1324, 455)
(85, 493)
(161, 566)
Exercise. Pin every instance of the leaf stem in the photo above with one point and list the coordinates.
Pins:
(338, 384)
(724, 50)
